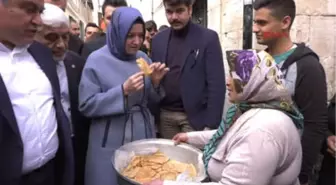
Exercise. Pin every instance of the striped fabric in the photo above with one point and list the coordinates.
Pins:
(238, 109)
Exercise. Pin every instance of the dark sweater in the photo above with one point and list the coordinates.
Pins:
(310, 94)
(171, 82)
(75, 44)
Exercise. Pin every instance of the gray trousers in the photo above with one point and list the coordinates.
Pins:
(172, 123)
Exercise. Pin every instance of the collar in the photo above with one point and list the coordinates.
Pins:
(182, 32)
(16, 49)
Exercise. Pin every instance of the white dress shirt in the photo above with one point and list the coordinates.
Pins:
(65, 96)
(32, 99)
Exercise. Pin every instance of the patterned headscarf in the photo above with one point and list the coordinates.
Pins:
(259, 83)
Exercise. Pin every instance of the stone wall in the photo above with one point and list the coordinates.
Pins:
(316, 24)
(226, 18)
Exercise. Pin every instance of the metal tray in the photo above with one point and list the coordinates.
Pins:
(182, 152)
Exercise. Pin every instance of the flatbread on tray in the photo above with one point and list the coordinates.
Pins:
(145, 168)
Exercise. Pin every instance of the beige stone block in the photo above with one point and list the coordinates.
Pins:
(329, 67)
(214, 20)
(322, 35)
(232, 19)
(331, 9)
(232, 40)
(300, 31)
(315, 7)
(213, 4)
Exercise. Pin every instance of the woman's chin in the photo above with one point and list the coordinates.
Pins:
(231, 100)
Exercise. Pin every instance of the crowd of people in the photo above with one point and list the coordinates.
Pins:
(90, 97)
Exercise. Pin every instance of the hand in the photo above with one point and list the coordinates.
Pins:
(180, 138)
(206, 128)
(159, 71)
(331, 141)
(154, 182)
(134, 83)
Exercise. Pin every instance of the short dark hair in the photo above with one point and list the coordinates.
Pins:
(114, 3)
(178, 2)
(279, 8)
(150, 25)
(91, 24)
(163, 27)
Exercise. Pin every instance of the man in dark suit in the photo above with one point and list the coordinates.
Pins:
(108, 7)
(35, 137)
(54, 34)
(195, 84)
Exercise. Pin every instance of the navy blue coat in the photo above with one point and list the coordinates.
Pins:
(11, 145)
(202, 77)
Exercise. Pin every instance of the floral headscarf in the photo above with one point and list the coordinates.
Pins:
(256, 77)
(259, 84)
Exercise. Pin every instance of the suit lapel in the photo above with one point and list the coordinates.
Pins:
(6, 108)
(47, 65)
(71, 72)
(165, 42)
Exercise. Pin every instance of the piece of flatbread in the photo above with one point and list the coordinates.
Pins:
(144, 67)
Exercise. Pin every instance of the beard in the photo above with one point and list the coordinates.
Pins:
(59, 58)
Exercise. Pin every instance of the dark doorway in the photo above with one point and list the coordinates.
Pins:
(200, 12)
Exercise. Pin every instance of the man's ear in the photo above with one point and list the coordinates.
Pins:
(190, 10)
(286, 23)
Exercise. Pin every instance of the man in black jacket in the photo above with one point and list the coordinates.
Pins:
(194, 85)
(108, 7)
(304, 75)
(55, 35)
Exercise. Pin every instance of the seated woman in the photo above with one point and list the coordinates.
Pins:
(114, 92)
(259, 141)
